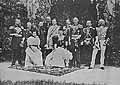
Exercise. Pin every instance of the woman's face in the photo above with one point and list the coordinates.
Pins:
(34, 34)
(101, 22)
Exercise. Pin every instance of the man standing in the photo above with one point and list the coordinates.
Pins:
(46, 26)
(100, 44)
(75, 36)
(52, 31)
(16, 41)
(88, 36)
(43, 38)
(67, 33)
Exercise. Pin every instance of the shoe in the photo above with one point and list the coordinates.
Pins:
(82, 66)
(12, 64)
(90, 68)
(102, 68)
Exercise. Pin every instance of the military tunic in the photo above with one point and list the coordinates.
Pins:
(102, 41)
(88, 38)
(68, 35)
(16, 34)
(75, 49)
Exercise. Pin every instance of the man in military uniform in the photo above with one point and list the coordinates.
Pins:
(75, 36)
(100, 44)
(67, 33)
(16, 33)
(87, 37)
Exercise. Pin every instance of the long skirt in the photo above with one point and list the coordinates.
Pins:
(33, 57)
(59, 57)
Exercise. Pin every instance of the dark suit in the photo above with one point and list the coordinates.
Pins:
(43, 39)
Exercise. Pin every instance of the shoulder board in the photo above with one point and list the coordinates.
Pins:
(22, 27)
(106, 27)
(11, 27)
(92, 28)
(30, 37)
(97, 28)
(37, 37)
(64, 27)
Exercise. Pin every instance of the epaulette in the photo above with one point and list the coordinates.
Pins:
(11, 27)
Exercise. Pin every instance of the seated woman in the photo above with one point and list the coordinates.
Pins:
(59, 57)
(33, 53)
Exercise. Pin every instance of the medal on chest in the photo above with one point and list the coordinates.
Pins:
(88, 36)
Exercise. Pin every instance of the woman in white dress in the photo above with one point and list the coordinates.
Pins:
(33, 53)
(59, 57)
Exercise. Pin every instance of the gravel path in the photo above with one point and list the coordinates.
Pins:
(110, 76)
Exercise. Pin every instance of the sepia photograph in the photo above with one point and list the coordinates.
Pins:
(59, 42)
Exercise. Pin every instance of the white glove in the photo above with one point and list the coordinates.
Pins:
(82, 43)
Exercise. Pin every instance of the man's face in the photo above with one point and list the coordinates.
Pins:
(54, 22)
(17, 21)
(60, 32)
(92, 1)
(29, 25)
(18, 15)
(89, 23)
(75, 21)
(68, 22)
